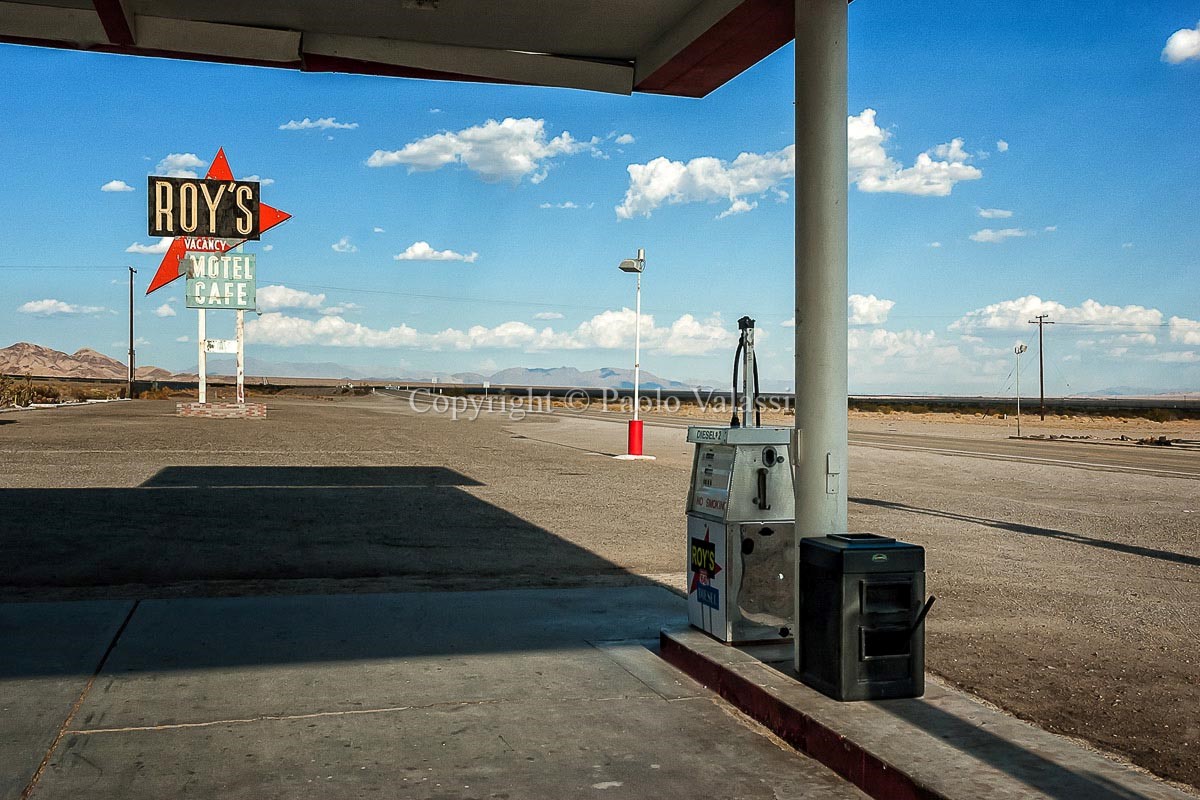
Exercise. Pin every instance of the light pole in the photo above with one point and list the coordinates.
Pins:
(636, 265)
(1017, 351)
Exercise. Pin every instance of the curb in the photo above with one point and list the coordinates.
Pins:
(850, 760)
(944, 745)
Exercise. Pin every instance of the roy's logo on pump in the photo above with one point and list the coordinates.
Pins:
(702, 556)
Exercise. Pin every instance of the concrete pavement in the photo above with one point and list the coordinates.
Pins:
(515, 694)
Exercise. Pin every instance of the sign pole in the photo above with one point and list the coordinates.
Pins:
(241, 357)
(132, 359)
(203, 367)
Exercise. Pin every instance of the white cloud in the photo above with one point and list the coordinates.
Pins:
(421, 251)
(116, 186)
(268, 248)
(1002, 146)
(1184, 45)
(566, 204)
(1015, 314)
(935, 244)
(693, 337)
(625, 138)
(156, 249)
(1178, 357)
(873, 170)
(994, 236)
(1185, 331)
(995, 213)
(608, 330)
(907, 358)
(1126, 245)
(377, 229)
(343, 245)
(324, 124)
(704, 179)
(860, 310)
(547, 315)
(182, 339)
(1130, 339)
(738, 206)
(52, 308)
(509, 150)
(708, 179)
(261, 180)
(341, 308)
(180, 165)
(435, 111)
(868, 309)
(276, 297)
(165, 310)
(890, 344)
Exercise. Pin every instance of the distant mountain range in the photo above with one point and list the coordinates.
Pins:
(24, 358)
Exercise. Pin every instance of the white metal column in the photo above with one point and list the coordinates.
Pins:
(241, 356)
(821, 350)
(202, 377)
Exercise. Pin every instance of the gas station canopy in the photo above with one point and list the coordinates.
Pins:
(674, 47)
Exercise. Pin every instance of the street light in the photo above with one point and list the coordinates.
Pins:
(1017, 351)
(637, 266)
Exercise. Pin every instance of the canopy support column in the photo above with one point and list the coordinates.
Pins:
(821, 349)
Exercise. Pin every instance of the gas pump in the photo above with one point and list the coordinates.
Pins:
(740, 518)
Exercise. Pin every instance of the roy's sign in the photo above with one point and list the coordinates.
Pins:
(221, 281)
(203, 207)
(196, 218)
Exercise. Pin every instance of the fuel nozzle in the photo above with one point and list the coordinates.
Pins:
(744, 359)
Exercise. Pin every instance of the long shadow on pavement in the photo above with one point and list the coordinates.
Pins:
(1047, 778)
(197, 524)
(1033, 530)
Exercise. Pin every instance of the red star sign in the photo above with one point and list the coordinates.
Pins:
(170, 269)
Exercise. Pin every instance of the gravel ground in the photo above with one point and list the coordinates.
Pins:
(1068, 597)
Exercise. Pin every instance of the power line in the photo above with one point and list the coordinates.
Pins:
(64, 267)
(469, 299)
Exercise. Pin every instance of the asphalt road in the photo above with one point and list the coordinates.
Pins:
(1165, 461)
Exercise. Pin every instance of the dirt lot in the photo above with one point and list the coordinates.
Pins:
(1068, 596)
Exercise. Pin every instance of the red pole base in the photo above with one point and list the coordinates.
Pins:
(635, 437)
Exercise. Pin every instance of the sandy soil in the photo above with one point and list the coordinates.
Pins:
(979, 426)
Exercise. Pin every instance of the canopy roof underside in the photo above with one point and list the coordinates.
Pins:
(675, 47)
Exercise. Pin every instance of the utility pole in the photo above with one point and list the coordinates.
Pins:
(132, 366)
(1040, 320)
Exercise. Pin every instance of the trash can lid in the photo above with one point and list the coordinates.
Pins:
(861, 539)
(861, 552)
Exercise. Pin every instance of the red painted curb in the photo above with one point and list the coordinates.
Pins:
(848, 759)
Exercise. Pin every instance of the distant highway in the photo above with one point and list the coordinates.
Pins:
(1173, 462)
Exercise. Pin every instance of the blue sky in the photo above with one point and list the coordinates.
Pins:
(1006, 160)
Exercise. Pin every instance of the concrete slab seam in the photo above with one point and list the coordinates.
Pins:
(280, 717)
(347, 713)
(87, 687)
(871, 774)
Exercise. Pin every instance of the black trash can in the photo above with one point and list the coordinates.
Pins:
(861, 632)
